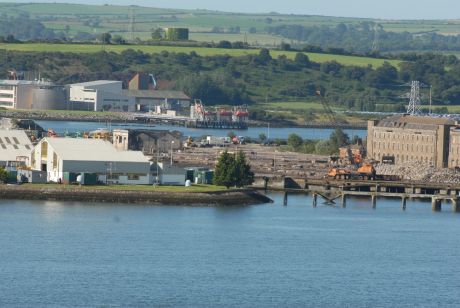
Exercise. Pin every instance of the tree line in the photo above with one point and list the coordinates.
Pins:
(255, 78)
(361, 37)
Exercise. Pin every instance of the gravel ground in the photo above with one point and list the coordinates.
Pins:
(417, 171)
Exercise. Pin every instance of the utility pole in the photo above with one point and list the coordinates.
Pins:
(172, 142)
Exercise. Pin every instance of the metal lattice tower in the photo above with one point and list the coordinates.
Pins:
(414, 99)
(132, 19)
(376, 42)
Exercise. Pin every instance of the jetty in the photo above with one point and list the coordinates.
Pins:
(338, 191)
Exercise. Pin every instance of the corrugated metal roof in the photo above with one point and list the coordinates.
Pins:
(156, 94)
(14, 143)
(78, 149)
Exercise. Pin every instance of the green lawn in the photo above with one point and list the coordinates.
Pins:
(88, 48)
(194, 188)
(292, 105)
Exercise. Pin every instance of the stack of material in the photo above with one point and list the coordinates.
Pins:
(417, 171)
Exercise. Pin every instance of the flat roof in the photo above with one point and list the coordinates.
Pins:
(14, 143)
(95, 83)
(82, 149)
(156, 94)
(23, 82)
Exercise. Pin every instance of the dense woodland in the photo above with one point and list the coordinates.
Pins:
(255, 78)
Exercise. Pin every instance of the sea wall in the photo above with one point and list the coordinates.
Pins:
(219, 198)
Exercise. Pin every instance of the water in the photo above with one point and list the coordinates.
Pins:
(252, 132)
(75, 254)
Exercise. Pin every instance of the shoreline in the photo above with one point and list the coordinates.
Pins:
(237, 197)
(122, 118)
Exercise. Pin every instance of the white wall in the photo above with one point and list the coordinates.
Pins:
(101, 95)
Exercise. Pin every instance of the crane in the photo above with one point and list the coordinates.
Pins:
(327, 109)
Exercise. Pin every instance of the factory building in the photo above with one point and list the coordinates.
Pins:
(149, 100)
(58, 156)
(405, 138)
(31, 94)
(99, 95)
(454, 147)
(15, 147)
(150, 142)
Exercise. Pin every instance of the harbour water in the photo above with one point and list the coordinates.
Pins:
(76, 254)
(253, 132)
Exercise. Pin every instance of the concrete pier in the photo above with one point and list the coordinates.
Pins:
(315, 200)
(435, 204)
(374, 201)
(403, 203)
(456, 205)
(344, 201)
(285, 201)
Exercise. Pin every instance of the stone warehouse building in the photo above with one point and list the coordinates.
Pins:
(411, 138)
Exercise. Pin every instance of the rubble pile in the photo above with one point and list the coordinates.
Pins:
(420, 172)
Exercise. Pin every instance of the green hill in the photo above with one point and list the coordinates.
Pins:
(204, 25)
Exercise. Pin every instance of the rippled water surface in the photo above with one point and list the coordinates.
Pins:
(78, 254)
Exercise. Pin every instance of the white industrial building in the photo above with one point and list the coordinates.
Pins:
(32, 94)
(15, 147)
(57, 156)
(99, 95)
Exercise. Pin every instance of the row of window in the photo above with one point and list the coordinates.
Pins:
(407, 158)
(405, 136)
(404, 147)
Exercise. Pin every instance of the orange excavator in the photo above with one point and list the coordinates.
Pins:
(365, 172)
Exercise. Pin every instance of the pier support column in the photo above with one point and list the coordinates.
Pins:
(285, 201)
(374, 201)
(403, 203)
(315, 200)
(344, 201)
(456, 205)
(435, 204)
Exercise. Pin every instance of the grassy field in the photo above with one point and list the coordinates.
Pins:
(452, 109)
(116, 19)
(200, 188)
(86, 48)
(300, 106)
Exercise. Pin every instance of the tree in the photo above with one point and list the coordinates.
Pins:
(262, 137)
(244, 176)
(224, 44)
(338, 138)
(3, 175)
(302, 59)
(106, 38)
(224, 173)
(233, 171)
(294, 141)
(157, 34)
(118, 39)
